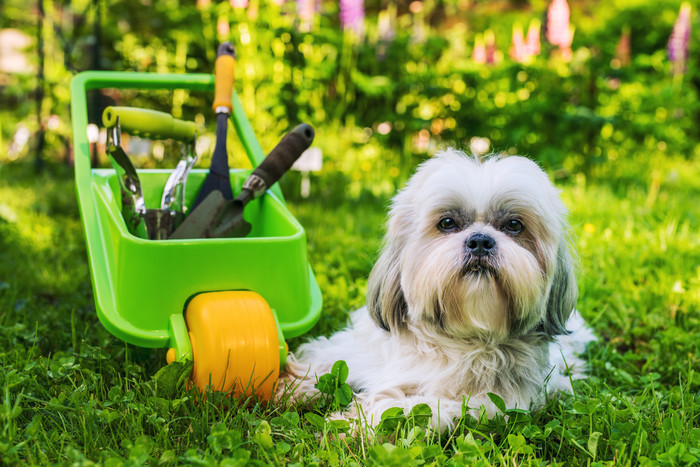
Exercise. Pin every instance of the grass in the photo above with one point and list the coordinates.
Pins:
(73, 394)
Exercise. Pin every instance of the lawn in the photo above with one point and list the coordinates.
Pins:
(74, 394)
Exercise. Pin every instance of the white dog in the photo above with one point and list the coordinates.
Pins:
(471, 295)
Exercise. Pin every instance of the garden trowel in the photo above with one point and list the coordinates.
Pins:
(216, 217)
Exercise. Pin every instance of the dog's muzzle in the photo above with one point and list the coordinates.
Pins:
(480, 251)
(480, 245)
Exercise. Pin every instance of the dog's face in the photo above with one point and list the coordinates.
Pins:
(475, 249)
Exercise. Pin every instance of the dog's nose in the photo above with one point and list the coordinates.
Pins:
(480, 244)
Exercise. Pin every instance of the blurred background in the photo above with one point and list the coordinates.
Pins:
(587, 88)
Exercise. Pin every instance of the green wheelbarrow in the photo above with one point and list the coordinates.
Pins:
(226, 304)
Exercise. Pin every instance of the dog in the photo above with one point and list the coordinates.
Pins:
(471, 294)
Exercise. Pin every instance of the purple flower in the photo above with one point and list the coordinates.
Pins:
(679, 40)
(352, 15)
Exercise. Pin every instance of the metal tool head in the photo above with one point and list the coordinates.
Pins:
(133, 204)
(173, 198)
(159, 223)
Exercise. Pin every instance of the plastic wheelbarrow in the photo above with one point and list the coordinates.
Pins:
(226, 304)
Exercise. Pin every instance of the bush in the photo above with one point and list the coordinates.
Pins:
(409, 86)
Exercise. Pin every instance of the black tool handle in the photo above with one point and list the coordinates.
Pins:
(283, 156)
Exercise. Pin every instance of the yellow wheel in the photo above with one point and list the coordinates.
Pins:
(235, 345)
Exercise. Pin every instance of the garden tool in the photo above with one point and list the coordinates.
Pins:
(155, 224)
(218, 177)
(216, 217)
(133, 204)
(173, 199)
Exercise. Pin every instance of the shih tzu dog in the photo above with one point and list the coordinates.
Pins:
(472, 294)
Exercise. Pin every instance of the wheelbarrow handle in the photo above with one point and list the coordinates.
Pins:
(150, 124)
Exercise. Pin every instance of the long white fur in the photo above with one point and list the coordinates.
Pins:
(400, 355)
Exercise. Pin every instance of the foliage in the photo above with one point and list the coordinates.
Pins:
(387, 99)
(334, 386)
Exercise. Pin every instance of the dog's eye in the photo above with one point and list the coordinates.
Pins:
(513, 226)
(447, 224)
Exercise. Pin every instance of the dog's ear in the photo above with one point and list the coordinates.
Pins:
(562, 295)
(385, 299)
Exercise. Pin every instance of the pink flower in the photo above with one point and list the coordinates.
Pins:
(306, 10)
(558, 27)
(623, 49)
(678, 43)
(485, 48)
(518, 50)
(532, 41)
(492, 55)
(559, 31)
(222, 26)
(239, 3)
(479, 53)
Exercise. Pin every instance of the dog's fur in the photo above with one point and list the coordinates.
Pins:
(471, 294)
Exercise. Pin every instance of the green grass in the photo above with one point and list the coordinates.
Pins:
(70, 393)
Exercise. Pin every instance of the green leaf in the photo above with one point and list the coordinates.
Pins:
(533, 432)
(239, 458)
(171, 378)
(593, 443)
(115, 394)
(263, 436)
(343, 395)
(388, 454)
(339, 426)
(518, 444)
(282, 448)
(108, 415)
(468, 445)
(292, 418)
(340, 371)
(431, 451)
(391, 418)
(168, 457)
(315, 420)
(393, 412)
(497, 401)
(222, 438)
(552, 427)
(421, 415)
(326, 384)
